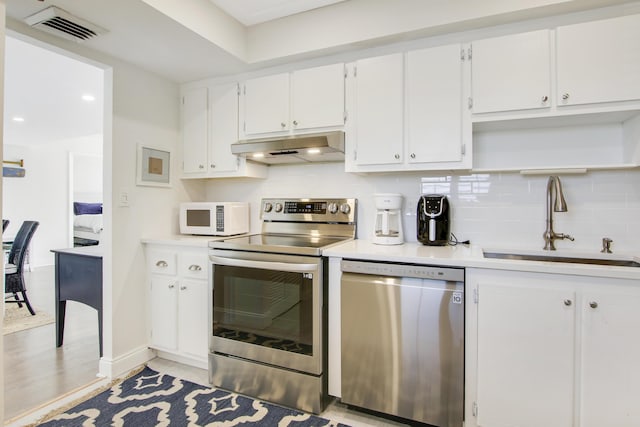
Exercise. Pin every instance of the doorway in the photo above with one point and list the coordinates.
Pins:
(54, 117)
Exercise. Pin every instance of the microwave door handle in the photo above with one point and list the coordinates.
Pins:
(265, 265)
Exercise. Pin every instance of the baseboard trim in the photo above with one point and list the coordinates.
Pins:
(113, 368)
(185, 360)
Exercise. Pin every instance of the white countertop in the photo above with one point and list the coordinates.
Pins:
(94, 251)
(452, 256)
(472, 256)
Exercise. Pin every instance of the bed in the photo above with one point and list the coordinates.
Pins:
(87, 223)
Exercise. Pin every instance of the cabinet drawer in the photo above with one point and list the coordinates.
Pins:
(193, 265)
(162, 262)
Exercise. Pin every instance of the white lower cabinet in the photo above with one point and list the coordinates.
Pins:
(179, 302)
(551, 350)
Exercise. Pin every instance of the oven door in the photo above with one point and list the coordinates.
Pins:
(267, 308)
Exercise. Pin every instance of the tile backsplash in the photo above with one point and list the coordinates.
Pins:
(495, 210)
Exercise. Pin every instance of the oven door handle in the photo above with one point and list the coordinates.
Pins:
(264, 265)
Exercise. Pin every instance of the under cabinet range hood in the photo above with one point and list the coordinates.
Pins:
(313, 147)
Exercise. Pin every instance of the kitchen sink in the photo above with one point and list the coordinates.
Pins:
(593, 259)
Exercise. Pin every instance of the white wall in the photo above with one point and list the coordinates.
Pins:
(498, 210)
(43, 194)
(2, 34)
(87, 177)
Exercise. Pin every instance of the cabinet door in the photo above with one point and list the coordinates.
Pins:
(164, 309)
(266, 104)
(610, 355)
(599, 61)
(224, 128)
(318, 97)
(525, 356)
(379, 113)
(511, 72)
(195, 130)
(193, 318)
(434, 105)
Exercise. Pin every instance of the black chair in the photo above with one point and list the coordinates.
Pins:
(5, 224)
(13, 272)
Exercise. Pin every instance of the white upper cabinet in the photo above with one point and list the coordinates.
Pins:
(599, 61)
(378, 110)
(302, 100)
(317, 97)
(223, 115)
(195, 130)
(209, 127)
(408, 112)
(511, 72)
(434, 105)
(266, 104)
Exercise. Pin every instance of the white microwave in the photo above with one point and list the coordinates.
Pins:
(214, 218)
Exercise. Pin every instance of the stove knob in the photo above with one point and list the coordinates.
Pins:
(345, 208)
(267, 207)
(278, 207)
(333, 208)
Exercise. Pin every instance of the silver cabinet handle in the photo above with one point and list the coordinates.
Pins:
(545, 98)
(182, 288)
(201, 166)
(162, 264)
(212, 166)
(593, 304)
(565, 96)
(295, 123)
(172, 286)
(567, 302)
(194, 267)
(413, 155)
(397, 156)
(283, 125)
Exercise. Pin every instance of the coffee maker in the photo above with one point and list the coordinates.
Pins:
(388, 227)
(433, 220)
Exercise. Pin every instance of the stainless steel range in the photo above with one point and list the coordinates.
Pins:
(268, 317)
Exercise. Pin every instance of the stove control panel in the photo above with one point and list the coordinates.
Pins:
(309, 210)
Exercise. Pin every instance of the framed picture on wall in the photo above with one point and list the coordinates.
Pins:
(153, 167)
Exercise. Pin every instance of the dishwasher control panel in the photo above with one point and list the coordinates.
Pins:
(450, 274)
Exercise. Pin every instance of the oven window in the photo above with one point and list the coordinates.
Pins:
(264, 307)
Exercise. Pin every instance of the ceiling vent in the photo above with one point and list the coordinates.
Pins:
(56, 21)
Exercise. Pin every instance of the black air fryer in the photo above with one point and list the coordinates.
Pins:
(433, 220)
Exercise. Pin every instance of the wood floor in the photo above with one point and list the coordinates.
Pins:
(35, 371)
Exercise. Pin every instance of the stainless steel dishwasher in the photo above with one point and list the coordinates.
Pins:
(403, 340)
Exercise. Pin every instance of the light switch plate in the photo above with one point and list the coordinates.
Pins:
(124, 199)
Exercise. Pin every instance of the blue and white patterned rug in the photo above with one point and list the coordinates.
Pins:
(153, 399)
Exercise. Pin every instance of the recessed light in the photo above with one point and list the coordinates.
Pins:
(313, 151)
(18, 119)
(258, 155)
(88, 97)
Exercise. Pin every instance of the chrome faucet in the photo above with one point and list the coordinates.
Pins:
(559, 205)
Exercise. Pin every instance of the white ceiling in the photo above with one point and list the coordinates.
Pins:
(45, 89)
(251, 12)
